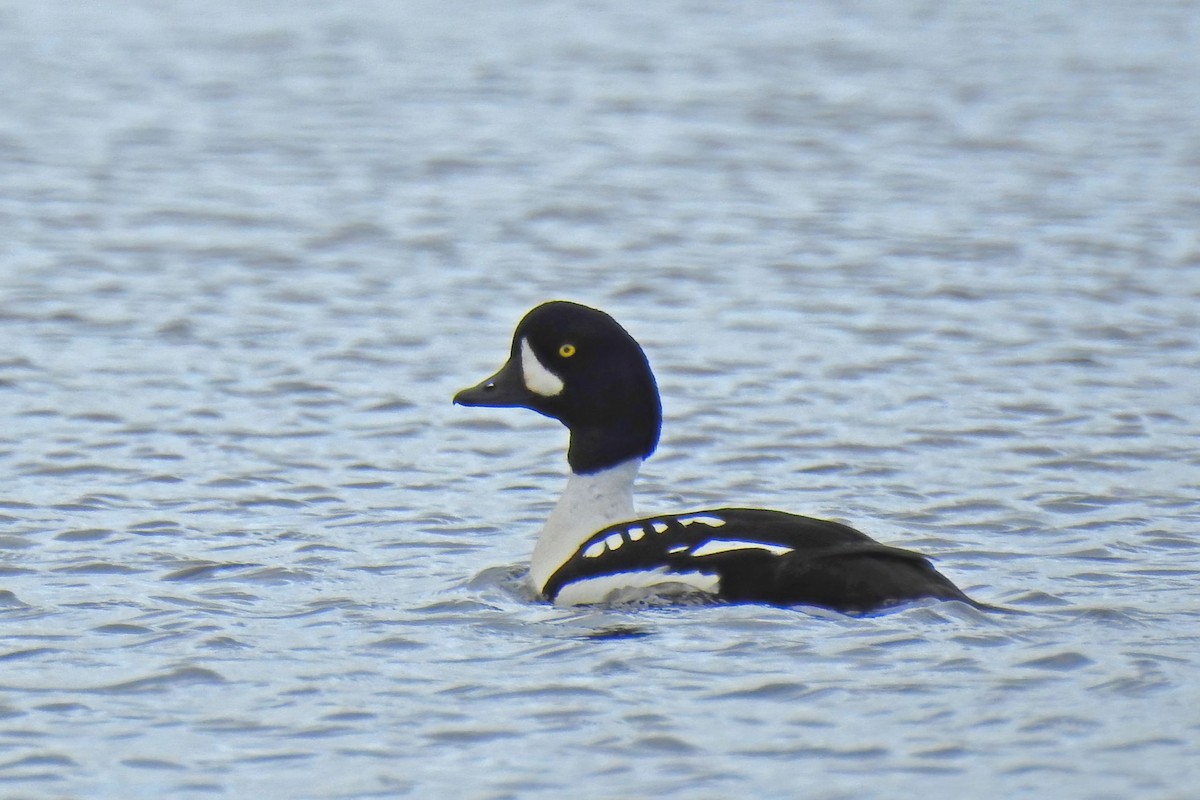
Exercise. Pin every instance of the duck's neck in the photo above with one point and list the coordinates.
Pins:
(590, 502)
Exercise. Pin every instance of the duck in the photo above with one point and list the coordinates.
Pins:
(576, 364)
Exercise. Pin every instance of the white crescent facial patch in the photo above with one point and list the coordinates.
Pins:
(538, 379)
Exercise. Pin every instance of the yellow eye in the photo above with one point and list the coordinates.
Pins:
(567, 350)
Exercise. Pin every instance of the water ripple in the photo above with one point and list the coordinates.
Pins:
(165, 681)
(901, 267)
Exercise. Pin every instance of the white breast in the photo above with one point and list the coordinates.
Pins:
(588, 504)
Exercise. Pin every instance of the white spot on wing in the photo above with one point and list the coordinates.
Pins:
(626, 586)
(614, 541)
(594, 550)
(538, 379)
(703, 519)
(714, 546)
(636, 533)
(679, 548)
(660, 527)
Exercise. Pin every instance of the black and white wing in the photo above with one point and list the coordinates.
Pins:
(747, 555)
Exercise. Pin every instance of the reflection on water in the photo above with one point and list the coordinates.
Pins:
(931, 270)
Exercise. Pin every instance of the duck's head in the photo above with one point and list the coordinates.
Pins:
(577, 365)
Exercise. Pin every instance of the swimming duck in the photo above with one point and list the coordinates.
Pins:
(577, 365)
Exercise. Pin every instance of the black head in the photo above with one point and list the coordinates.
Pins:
(577, 365)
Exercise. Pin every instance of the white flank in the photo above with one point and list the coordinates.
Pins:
(714, 546)
(538, 379)
(628, 586)
(703, 519)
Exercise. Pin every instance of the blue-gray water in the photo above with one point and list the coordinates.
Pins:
(930, 268)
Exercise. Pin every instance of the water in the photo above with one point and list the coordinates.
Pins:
(932, 269)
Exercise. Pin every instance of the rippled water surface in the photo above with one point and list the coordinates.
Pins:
(930, 268)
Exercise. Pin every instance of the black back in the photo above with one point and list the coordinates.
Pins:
(830, 564)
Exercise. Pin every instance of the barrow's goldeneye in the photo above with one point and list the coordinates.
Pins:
(575, 364)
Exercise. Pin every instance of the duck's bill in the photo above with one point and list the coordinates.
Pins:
(505, 389)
